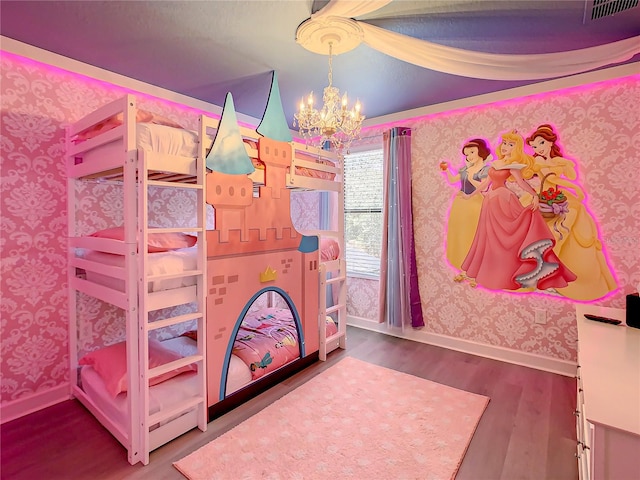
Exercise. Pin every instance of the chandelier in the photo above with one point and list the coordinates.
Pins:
(334, 122)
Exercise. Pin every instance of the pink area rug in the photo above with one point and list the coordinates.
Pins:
(354, 420)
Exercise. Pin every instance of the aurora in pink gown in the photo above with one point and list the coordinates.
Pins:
(513, 246)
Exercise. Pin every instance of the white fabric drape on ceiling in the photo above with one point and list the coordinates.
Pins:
(468, 63)
(350, 8)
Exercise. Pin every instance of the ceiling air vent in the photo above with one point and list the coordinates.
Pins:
(605, 8)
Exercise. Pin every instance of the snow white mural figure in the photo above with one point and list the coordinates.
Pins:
(513, 247)
(465, 209)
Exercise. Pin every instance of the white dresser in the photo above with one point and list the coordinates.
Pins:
(608, 406)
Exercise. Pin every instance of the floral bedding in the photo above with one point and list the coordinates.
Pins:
(267, 340)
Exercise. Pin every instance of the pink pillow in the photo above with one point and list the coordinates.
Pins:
(329, 249)
(158, 242)
(192, 334)
(111, 364)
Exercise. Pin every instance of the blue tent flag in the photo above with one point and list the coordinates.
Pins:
(274, 124)
(228, 154)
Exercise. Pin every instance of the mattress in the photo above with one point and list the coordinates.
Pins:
(266, 340)
(162, 139)
(161, 396)
(165, 394)
(171, 262)
(165, 139)
(313, 173)
(238, 374)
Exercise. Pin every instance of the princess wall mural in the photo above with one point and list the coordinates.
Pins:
(519, 221)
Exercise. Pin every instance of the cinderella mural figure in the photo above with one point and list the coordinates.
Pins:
(513, 246)
(465, 208)
(577, 243)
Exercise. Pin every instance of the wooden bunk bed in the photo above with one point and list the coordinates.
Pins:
(116, 266)
(106, 146)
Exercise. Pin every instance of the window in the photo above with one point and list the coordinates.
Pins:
(363, 177)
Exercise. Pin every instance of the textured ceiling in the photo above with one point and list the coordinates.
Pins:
(204, 49)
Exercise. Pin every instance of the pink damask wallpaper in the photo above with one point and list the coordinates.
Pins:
(38, 101)
(598, 125)
(598, 128)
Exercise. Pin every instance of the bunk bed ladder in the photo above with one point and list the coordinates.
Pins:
(333, 276)
(158, 428)
(337, 312)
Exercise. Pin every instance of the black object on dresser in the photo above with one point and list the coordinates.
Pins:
(633, 310)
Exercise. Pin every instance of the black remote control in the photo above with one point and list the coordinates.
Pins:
(597, 318)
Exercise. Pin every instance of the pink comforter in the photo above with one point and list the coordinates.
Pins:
(313, 173)
(266, 340)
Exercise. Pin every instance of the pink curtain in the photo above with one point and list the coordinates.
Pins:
(400, 303)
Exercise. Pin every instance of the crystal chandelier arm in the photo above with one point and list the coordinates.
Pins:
(334, 122)
(330, 75)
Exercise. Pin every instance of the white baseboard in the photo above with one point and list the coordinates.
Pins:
(517, 357)
(24, 406)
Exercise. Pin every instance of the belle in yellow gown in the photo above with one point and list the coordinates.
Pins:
(577, 243)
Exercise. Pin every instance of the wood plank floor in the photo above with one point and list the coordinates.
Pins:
(527, 431)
